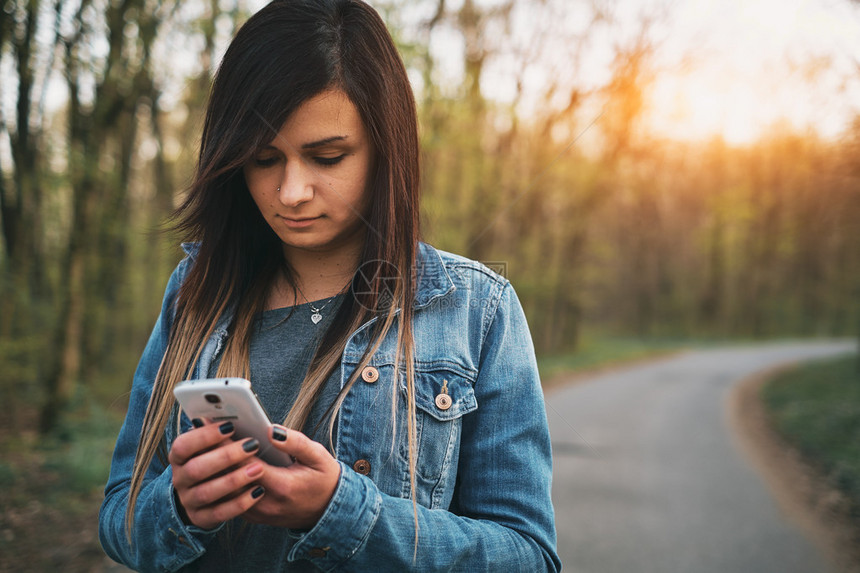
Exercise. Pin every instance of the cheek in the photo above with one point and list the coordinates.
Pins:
(359, 201)
(363, 193)
(263, 201)
(257, 185)
(256, 188)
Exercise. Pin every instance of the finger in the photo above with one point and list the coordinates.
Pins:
(209, 464)
(195, 441)
(302, 448)
(215, 514)
(223, 487)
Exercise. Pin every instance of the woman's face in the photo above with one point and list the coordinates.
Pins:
(310, 181)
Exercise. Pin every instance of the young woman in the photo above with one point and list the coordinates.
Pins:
(405, 376)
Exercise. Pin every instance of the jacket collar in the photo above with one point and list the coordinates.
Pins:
(431, 277)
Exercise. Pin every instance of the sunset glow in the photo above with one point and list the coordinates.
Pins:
(756, 65)
(693, 107)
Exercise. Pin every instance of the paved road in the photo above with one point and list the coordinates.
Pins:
(648, 478)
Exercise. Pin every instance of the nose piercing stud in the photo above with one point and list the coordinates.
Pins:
(279, 189)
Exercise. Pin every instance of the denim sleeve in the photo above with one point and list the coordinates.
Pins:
(160, 540)
(501, 517)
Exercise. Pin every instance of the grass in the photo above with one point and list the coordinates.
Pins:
(50, 492)
(817, 408)
(600, 352)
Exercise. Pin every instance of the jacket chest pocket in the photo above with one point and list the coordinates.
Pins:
(443, 395)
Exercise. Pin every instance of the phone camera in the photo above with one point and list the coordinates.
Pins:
(212, 398)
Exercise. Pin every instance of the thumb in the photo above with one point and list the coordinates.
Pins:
(303, 449)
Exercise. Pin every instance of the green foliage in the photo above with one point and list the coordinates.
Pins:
(50, 491)
(8, 475)
(817, 407)
(75, 457)
(82, 460)
(17, 358)
(616, 233)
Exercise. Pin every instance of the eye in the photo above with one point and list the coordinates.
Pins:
(329, 160)
(265, 161)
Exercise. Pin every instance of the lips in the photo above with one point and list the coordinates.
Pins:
(299, 222)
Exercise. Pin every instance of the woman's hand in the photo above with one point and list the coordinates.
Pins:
(213, 476)
(296, 496)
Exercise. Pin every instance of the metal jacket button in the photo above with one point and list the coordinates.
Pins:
(443, 400)
(370, 374)
(362, 467)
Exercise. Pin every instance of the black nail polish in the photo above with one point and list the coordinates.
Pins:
(197, 423)
(258, 491)
(279, 434)
(226, 427)
(250, 445)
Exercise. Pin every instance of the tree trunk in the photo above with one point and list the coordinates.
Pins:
(94, 260)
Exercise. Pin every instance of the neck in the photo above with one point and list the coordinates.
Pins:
(319, 274)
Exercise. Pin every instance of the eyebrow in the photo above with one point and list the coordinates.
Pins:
(323, 142)
(316, 144)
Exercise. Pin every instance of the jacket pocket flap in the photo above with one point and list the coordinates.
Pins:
(444, 394)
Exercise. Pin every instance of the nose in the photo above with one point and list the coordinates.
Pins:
(297, 184)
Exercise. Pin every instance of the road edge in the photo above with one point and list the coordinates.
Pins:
(800, 489)
(562, 380)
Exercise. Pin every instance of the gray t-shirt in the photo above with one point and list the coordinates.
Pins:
(282, 345)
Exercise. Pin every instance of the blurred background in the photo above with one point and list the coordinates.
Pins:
(649, 175)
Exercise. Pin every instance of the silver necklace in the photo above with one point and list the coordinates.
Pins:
(316, 313)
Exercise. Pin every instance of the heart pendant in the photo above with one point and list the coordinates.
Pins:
(316, 317)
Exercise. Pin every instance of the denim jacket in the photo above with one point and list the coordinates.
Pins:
(483, 462)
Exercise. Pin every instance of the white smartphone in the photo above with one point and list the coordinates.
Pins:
(231, 399)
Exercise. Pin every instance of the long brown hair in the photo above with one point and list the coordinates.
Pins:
(286, 53)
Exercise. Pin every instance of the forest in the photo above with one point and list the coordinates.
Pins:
(606, 227)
